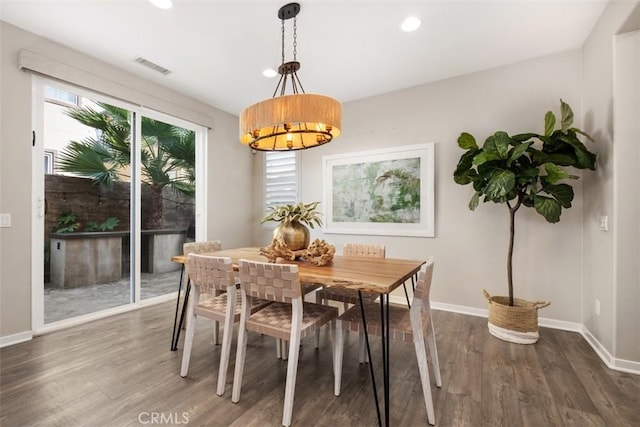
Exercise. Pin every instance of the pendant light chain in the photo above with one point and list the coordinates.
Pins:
(282, 44)
(295, 38)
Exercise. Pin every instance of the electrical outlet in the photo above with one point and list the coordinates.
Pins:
(597, 307)
(5, 220)
(604, 223)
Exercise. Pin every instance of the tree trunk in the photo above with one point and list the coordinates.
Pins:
(512, 220)
(154, 209)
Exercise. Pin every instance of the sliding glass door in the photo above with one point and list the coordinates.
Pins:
(114, 188)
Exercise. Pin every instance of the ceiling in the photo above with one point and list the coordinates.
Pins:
(351, 49)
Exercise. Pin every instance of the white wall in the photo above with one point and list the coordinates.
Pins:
(470, 247)
(600, 278)
(228, 162)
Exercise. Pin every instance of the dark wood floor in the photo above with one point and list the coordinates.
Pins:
(120, 372)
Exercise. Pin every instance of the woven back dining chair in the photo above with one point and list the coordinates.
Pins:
(209, 274)
(203, 248)
(288, 318)
(349, 296)
(414, 324)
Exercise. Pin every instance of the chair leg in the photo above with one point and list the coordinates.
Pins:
(362, 351)
(345, 306)
(285, 349)
(240, 356)
(337, 358)
(433, 351)
(332, 339)
(423, 367)
(216, 332)
(278, 349)
(292, 370)
(318, 301)
(225, 353)
(188, 342)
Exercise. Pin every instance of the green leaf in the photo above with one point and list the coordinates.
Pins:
(518, 151)
(522, 137)
(497, 143)
(500, 184)
(473, 203)
(549, 123)
(554, 173)
(567, 115)
(460, 175)
(585, 159)
(549, 208)
(465, 177)
(485, 156)
(561, 159)
(527, 176)
(583, 133)
(109, 224)
(466, 141)
(527, 200)
(563, 193)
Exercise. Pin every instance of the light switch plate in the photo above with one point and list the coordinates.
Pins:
(5, 220)
(604, 223)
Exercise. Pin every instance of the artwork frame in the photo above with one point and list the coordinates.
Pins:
(389, 192)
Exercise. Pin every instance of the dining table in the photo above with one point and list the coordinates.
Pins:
(361, 274)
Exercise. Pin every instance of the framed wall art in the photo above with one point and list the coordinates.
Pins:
(380, 192)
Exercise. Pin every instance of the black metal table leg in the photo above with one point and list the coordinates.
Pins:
(384, 333)
(184, 311)
(406, 294)
(373, 375)
(174, 341)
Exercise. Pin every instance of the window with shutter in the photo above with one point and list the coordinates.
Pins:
(281, 178)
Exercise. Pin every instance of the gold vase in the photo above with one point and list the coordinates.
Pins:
(295, 235)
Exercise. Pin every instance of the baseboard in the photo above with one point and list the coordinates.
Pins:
(614, 363)
(15, 338)
(621, 365)
(462, 309)
(560, 324)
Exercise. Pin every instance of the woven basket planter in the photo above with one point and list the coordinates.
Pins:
(517, 323)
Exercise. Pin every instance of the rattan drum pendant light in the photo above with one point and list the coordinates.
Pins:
(290, 122)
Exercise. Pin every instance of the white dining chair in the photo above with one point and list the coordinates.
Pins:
(349, 296)
(287, 318)
(208, 275)
(190, 248)
(414, 324)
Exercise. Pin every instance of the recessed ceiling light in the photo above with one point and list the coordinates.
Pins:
(410, 24)
(162, 4)
(269, 72)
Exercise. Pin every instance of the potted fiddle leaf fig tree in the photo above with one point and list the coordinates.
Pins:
(524, 170)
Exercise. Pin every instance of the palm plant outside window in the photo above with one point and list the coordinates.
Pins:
(168, 154)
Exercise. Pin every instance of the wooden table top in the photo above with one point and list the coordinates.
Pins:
(379, 275)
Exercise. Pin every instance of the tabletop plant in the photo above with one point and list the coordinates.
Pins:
(305, 213)
(294, 219)
(526, 169)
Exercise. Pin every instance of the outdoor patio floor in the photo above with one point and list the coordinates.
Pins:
(65, 303)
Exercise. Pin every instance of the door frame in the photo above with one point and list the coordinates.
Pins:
(38, 202)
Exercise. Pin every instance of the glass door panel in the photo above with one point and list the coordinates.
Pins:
(167, 199)
(87, 152)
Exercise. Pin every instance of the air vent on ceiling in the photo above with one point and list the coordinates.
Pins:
(152, 65)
